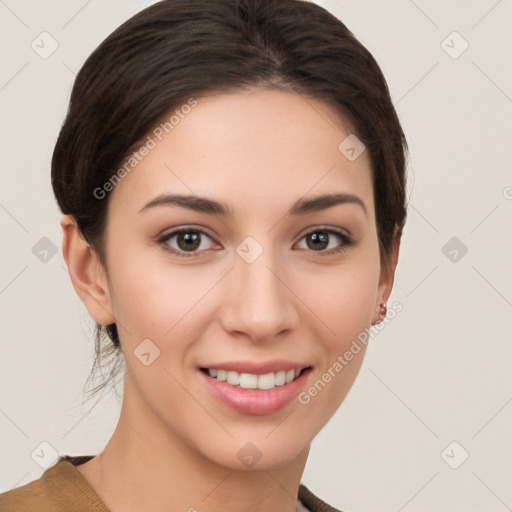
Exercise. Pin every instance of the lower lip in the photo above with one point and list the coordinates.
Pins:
(255, 401)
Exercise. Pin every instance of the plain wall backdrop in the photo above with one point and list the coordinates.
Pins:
(427, 423)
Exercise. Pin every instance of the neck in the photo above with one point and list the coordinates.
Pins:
(144, 466)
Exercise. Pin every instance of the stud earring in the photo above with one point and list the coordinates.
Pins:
(382, 313)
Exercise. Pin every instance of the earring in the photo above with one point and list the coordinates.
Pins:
(382, 313)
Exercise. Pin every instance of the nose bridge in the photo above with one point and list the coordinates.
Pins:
(260, 305)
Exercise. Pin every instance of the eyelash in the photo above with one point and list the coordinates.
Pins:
(347, 241)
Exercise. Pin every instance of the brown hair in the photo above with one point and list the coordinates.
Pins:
(176, 49)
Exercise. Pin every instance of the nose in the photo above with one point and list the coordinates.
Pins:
(260, 303)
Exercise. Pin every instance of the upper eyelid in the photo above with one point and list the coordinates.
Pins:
(176, 231)
(324, 227)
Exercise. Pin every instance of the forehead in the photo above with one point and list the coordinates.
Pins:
(265, 145)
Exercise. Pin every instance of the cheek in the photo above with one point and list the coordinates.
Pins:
(343, 307)
(344, 302)
(156, 301)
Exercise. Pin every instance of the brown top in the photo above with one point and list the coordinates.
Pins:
(62, 488)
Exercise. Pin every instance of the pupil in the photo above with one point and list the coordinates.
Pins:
(188, 238)
(322, 239)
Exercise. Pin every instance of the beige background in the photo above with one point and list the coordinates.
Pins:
(438, 373)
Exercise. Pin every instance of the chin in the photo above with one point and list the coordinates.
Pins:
(253, 454)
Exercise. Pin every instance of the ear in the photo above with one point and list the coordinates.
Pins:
(86, 271)
(387, 277)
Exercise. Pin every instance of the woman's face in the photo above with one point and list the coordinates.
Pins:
(271, 283)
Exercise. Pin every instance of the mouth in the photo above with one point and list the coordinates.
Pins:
(255, 393)
(264, 381)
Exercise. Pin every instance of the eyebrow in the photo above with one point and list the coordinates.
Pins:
(211, 207)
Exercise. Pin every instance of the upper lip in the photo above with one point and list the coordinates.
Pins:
(255, 368)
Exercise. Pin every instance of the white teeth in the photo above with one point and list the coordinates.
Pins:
(280, 378)
(267, 381)
(233, 378)
(252, 381)
(248, 381)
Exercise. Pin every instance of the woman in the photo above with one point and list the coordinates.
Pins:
(232, 179)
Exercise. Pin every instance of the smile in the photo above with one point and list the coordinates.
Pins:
(252, 381)
(255, 393)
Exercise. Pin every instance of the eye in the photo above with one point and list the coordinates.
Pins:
(320, 239)
(188, 241)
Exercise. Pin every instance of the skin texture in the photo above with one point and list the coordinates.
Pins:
(175, 446)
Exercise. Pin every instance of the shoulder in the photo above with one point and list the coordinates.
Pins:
(312, 502)
(59, 489)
